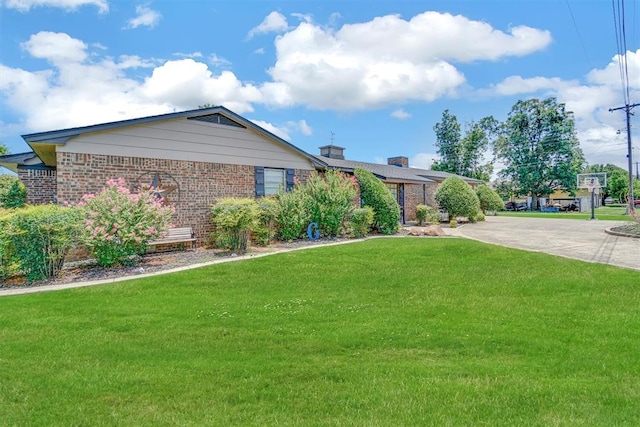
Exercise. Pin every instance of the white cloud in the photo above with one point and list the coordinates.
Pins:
(145, 17)
(26, 5)
(423, 160)
(218, 61)
(275, 22)
(259, 51)
(281, 132)
(134, 61)
(188, 55)
(388, 59)
(400, 114)
(80, 90)
(301, 126)
(57, 48)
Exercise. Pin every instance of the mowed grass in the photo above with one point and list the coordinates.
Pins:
(604, 213)
(397, 331)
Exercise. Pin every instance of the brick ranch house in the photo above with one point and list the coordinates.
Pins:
(195, 157)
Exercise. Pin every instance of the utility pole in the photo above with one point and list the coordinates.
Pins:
(637, 171)
(627, 109)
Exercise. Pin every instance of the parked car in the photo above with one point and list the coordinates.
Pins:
(572, 207)
(515, 206)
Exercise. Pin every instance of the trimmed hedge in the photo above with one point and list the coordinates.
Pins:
(489, 199)
(374, 193)
(457, 198)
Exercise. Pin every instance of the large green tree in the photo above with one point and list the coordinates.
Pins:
(463, 155)
(539, 148)
(617, 181)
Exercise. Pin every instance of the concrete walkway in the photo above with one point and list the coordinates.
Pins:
(573, 238)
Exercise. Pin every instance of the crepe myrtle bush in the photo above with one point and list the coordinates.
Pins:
(457, 198)
(329, 199)
(36, 239)
(233, 220)
(374, 193)
(119, 223)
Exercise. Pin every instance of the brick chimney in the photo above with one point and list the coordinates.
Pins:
(400, 161)
(332, 152)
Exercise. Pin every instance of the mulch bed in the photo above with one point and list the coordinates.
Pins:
(89, 270)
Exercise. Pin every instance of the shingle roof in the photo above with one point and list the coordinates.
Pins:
(386, 172)
(392, 173)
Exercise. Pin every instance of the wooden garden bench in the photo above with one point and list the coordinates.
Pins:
(175, 235)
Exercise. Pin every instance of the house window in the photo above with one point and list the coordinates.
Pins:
(274, 181)
(393, 188)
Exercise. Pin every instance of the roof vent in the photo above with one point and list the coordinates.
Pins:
(216, 118)
(332, 152)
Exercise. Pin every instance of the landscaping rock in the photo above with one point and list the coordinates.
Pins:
(432, 230)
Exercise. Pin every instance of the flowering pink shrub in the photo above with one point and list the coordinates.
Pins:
(119, 223)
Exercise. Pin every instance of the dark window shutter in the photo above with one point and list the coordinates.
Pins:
(291, 173)
(259, 181)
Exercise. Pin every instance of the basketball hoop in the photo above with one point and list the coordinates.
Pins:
(592, 184)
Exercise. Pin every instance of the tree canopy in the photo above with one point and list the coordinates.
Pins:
(463, 155)
(3, 149)
(539, 148)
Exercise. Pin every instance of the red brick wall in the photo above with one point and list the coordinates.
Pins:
(41, 185)
(200, 183)
(416, 194)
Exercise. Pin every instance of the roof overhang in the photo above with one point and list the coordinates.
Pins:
(15, 161)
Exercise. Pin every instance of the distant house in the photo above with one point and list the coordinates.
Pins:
(194, 158)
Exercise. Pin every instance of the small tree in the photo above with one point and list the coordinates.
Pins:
(37, 239)
(489, 199)
(385, 207)
(428, 214)
(119, 223)
(234, 219)
(457, 198)
(13, 193)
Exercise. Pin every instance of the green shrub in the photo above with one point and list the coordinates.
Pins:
(13, 193)
(38, 238)
(478, 217)
(489, 199)
(329, 200)
(234, 219)
(266, 228)
(427, 214)
(293, 217)
(374, 193)
(361, 221)
(6, 258)
(457, 198)
(453, 223)
(119, 224)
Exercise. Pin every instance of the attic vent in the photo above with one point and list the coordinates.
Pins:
(217, 119)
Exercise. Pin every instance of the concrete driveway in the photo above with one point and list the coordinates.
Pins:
(573, 238)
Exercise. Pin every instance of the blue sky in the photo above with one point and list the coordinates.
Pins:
(373, 75)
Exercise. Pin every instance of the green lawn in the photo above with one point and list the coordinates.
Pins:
(396, 331)
(602, 213)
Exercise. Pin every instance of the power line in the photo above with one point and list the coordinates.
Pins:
(575, 25)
